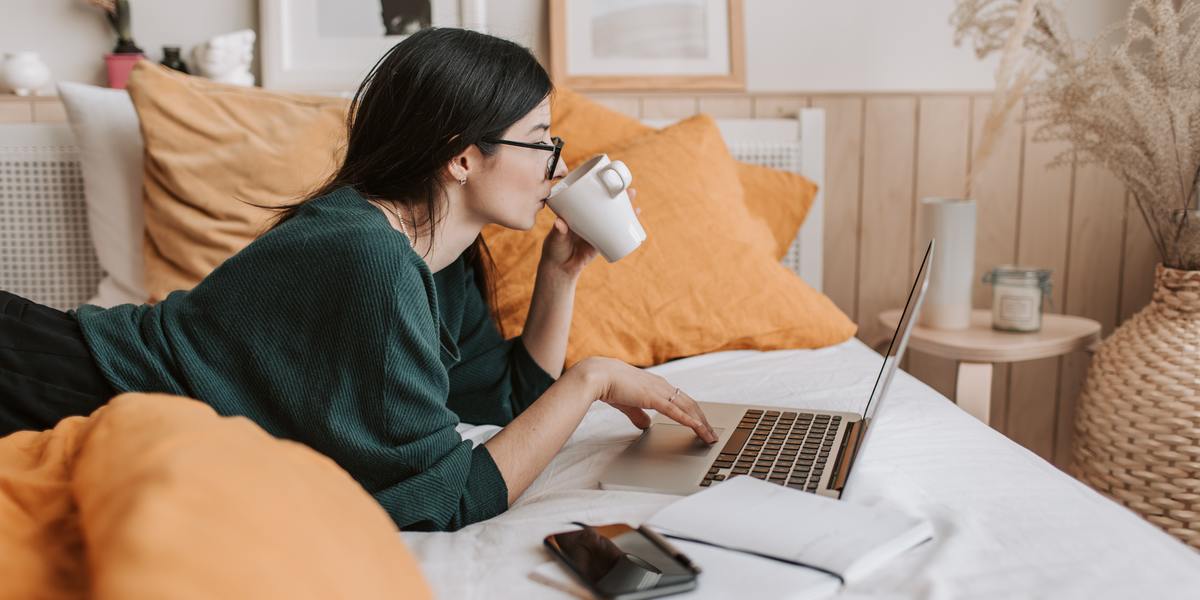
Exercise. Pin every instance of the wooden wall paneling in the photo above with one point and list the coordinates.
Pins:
(843, 179)
(668, 107)
(727, 107)
(943, 147)
(624, 104)
(1140, 260)
(1042, 241)
(997, 196)
(885, 240)
(778, 106)
(1092, 282)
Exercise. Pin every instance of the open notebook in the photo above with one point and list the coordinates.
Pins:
(762, 518)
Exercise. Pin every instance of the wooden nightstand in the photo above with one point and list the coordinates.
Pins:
(979, 346)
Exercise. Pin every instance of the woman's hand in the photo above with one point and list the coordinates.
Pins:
(631, 390)
(565, 253)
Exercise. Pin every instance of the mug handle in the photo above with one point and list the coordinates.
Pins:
(616, 177)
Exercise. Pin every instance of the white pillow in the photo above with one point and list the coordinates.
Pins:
(110, 154)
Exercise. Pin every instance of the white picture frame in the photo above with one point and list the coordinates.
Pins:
(298, 56)
(608, 45)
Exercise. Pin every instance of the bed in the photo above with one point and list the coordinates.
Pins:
(1008, 524)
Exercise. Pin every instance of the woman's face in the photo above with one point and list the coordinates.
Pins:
(511, 186)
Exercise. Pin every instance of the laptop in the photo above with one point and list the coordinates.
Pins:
(804, 449)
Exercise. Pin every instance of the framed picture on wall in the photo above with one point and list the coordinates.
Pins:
(329, 46)
(647, 44)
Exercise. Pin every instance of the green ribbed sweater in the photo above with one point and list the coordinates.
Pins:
(331, 331)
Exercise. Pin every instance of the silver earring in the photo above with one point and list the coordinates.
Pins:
(462, 181)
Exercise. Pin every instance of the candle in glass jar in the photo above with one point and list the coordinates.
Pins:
(1017, 294)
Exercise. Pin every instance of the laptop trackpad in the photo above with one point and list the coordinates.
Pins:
(672, 440)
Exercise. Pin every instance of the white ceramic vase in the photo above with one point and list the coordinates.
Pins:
(951, 221)
(24, 73)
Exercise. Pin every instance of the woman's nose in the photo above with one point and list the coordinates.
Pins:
(560, 170)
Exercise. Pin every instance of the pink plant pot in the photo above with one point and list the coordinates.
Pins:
(119, 67)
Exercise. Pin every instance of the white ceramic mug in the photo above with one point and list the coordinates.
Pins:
(593, 200)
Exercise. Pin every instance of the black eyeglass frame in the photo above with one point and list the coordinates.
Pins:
(556, 149)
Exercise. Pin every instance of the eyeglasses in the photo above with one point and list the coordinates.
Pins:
(552, 164)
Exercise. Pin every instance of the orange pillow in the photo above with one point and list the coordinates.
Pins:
(211, 146)
(157, 496)
(779, 199)
(704, 279)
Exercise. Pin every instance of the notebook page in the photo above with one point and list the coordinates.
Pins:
(750, 514)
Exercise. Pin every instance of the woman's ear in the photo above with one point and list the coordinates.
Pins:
(464, 164)
(459, 168)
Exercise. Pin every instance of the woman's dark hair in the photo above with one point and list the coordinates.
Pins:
(425, 101)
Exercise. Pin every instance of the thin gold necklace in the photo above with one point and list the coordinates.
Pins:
(391, 207)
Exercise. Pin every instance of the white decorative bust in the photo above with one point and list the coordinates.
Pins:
(226, 58)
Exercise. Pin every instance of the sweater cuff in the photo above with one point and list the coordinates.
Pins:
(530, 380)
(486, 494)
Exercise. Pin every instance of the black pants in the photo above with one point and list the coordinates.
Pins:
(46, 369)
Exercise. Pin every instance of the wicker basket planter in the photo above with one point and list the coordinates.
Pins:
(1137, 427)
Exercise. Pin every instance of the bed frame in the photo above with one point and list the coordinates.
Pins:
(46, 252)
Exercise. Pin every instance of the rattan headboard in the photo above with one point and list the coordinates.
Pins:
(46, 251)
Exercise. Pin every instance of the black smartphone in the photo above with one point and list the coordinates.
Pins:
(622, 563)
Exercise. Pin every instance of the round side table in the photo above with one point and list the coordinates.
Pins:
(979, 346)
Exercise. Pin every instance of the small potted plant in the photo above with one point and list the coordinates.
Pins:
(126, 53)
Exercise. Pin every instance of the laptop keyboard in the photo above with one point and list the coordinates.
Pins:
(788, 448)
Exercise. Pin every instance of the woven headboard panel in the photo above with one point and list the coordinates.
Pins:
(46, 251)
(785, 156)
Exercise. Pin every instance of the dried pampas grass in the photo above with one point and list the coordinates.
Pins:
(1134, 108)
(1004, 27)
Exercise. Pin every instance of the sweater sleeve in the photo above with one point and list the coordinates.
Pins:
(401, 443)
(495, 379)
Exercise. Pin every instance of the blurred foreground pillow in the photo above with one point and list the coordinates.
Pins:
(156, 496)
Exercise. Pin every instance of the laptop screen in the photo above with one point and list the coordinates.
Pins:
(891, 360)
(895, 351)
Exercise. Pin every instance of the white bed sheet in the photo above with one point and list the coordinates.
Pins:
(1008, 524)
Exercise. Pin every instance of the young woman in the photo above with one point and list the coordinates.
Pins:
(357, 324)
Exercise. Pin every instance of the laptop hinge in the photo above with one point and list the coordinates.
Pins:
(846, 456)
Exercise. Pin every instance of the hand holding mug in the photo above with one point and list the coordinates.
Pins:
(566, 252)
(594, 201)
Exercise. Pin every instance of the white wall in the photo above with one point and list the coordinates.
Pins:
(877, 45)
(73, 37)
(791, 45)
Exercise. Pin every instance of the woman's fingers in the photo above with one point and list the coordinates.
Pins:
(683, 417)
(637, 416)
(693, 408)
